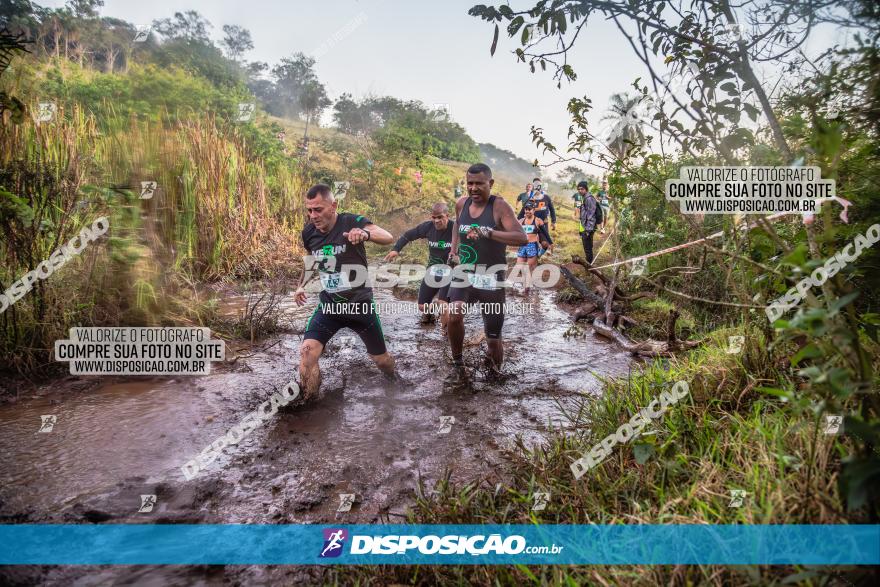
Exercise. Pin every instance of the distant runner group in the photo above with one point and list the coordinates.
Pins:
(477, 238)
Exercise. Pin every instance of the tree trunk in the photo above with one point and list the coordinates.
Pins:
(581, 287)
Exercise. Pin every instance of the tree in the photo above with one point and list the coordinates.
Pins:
(10, 45)
(19, 17)
(237, 41)
(293, 76)
(84, 28)
(189, 25)
(348, 115)
(714, 47)
(571, 175)
(312, 101)
(84, 8)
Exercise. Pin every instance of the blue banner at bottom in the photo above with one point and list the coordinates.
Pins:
(192, 544)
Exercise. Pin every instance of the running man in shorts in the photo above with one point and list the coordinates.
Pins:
(536, 231)
(438, 232)
(336, 243)
(485, 225)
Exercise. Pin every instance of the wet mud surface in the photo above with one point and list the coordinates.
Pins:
(128, 437)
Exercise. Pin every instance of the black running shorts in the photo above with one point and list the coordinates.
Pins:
(361, 317)
(491, 306)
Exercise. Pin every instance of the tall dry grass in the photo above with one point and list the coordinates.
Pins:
(213, 210)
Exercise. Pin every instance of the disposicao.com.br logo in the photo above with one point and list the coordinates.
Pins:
(334, 539)
(393, 544)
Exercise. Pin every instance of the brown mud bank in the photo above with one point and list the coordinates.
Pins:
(365, 436)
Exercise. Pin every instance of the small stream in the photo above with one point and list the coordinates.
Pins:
(129, 436)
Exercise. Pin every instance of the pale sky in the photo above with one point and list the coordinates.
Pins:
(428, 51)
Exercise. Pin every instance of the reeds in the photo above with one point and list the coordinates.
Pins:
(212, 210)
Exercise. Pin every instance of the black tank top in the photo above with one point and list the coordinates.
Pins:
(481, 251)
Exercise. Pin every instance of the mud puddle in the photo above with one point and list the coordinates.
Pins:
(364, 436)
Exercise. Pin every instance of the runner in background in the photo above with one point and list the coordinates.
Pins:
(525, 196)
(543, 206)
(536, 231)
(438, 232)
(587, 217)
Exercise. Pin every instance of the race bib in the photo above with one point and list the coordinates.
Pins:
(439, 270)
(483, 281)
(528, 228)
(334, 282)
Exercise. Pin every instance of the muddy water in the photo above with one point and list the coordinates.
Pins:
(364, 436)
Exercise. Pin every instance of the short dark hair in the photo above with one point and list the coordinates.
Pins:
(480, 168)
(319, 189)
(584, 185)
(537, 179)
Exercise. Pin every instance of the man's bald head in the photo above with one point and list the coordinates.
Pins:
(440, 215)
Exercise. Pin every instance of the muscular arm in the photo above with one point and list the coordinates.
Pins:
(379, 235)
(410, 235)
(542, 231)
(512, 233)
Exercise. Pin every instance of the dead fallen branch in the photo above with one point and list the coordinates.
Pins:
(648, 348)
(605, 307)
(581, 287)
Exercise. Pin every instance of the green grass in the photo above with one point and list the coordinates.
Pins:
(724, 435)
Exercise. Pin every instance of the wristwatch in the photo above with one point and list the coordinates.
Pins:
(369, 236)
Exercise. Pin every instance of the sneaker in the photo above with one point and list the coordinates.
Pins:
(458, 376)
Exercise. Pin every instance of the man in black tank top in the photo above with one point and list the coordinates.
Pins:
(485, 225)
(438, 232)
(336, 244)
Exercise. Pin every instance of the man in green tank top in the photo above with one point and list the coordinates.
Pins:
(485, 225)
